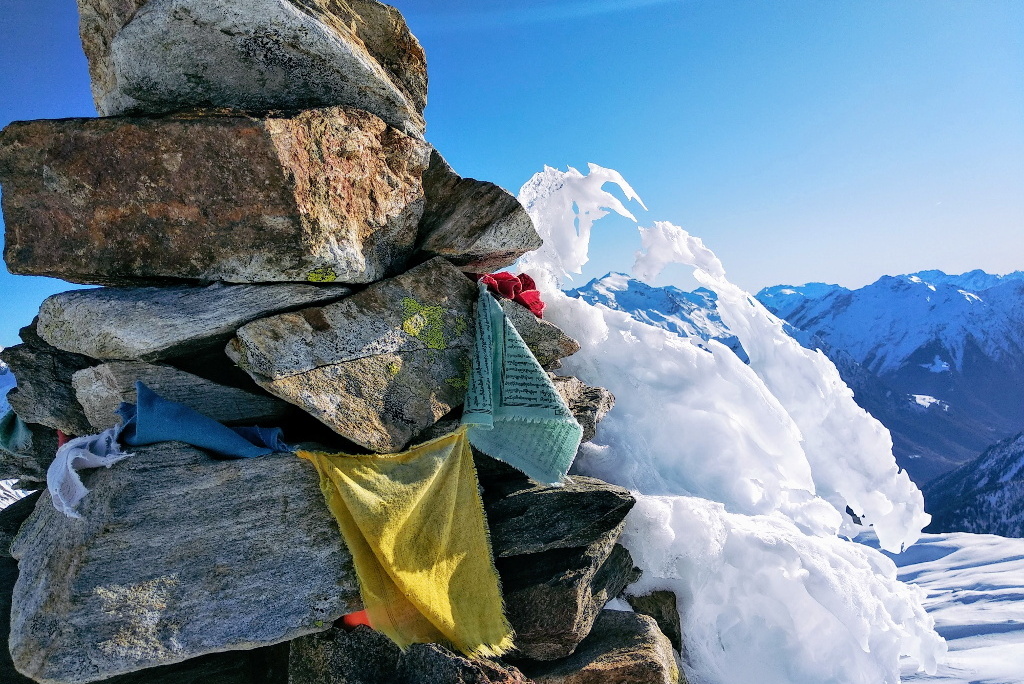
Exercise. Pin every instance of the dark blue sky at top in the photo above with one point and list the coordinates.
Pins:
(802, 139)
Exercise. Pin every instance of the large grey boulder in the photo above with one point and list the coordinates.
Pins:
(556, 552)
(321, 195)
(155, 56)
(378, 367)
(176, 556)
(101, 389)
(476, 225)
(153, 323)
(552, 598)
(44, 395)
(625, 648)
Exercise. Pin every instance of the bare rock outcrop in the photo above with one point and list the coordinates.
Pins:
(44, 395)
(476, 225)
(625, 648)
(156, 56)
(101, 389)
(174, 559)
(321, 195)
(154, 323)
(378, 367)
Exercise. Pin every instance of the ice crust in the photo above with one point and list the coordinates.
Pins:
(742, 472)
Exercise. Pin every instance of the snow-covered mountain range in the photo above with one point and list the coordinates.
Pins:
(985, 495)
(937, 358)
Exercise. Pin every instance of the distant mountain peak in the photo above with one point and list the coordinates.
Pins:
(688, 314)
(956, 339)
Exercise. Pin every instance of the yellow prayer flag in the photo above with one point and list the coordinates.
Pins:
(415, 526)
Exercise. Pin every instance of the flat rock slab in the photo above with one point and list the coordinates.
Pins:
(378, 367)
(154, 323)
(322, 195)
(625, 648)
(176, 556)
(44, 395)
(555, 549)
(476, 225)
(155, 56)
(101, 389)
(526, 517)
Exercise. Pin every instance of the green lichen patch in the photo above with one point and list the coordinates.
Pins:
(322, 275)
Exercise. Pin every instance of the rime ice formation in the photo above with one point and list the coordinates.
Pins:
(741, 471)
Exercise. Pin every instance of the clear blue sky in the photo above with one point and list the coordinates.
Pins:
(803, 140)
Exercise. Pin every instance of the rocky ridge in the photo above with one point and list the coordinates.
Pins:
(277, 245)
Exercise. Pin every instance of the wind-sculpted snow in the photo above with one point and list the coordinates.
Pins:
(728, 461)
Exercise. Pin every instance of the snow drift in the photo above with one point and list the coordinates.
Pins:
(742, 472)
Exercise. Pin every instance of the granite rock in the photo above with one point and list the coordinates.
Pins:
(101, 389)
(556, 552)
(552, 598)
(340, 656)
(154, 323)
(545, 339)
(176, 556)
(625, 648)
(476, 225)
(662, 606)
(154, 56)
(526, 517)
(44, 394)
(321, 195)
(29, 465)
(435, 664)
(378, 367)
(589, 404)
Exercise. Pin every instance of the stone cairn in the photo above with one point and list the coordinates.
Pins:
(277, 245)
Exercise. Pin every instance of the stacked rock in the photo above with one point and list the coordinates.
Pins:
(276, 245)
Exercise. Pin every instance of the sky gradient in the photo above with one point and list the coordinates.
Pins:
(802, 140)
